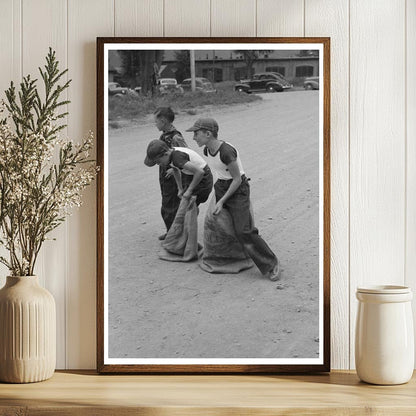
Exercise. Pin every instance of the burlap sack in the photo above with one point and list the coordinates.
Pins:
(223, 253)
(181, 242)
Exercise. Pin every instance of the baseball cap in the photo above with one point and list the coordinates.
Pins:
(155, 149)
(206, 124)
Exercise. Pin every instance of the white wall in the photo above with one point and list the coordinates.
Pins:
(373, 132)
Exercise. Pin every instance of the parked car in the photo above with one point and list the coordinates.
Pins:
(114, 88)
(168, 85)
(201, 84)
(311, 83)
(266, 81)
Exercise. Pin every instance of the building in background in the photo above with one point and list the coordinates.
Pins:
(126, 68)
(229, 65)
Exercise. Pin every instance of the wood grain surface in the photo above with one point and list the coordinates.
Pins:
(85, 18)
(377, 149)
(410, 262)
(330, 18)
(373, 150)
(52, 261)
(85, 393)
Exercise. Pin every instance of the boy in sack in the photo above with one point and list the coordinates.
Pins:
(194, 184)
(190, 171)
(232, 192)
(164, 117)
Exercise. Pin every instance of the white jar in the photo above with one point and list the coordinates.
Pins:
(384, 338)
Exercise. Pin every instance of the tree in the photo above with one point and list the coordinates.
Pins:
(183, 63)
(150, 62)
(130, 62)
(250, 57)
(141, 67)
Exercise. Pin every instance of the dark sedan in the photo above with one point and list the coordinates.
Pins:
(268, 81)
(311, 83)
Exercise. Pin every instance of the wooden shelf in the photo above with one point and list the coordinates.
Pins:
(86, 393)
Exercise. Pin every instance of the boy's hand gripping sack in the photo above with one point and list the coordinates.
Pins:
(181, 242)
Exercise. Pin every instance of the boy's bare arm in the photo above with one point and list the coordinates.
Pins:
(197, 177)
(235, 173)
(178, 179)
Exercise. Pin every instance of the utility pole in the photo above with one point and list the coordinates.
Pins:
(192, 59)
(213, 67)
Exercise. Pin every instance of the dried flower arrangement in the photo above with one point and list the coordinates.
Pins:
(42, 176)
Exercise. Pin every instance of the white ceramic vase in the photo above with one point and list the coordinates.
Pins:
(384, 338)
(27, 331)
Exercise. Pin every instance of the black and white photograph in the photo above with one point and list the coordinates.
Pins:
(213, 205)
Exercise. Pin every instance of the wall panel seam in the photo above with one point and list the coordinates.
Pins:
(349, 185)
(210, 18)
(67, 230)
(304, 18)
(21, 39)
(405, 144)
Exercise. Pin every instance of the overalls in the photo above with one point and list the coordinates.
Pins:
(168, 187)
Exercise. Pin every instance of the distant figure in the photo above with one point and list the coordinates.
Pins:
(232, 192)
(164, 117)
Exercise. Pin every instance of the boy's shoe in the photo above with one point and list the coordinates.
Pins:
(162, 237)
(274, 274)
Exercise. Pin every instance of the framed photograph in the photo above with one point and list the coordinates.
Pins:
(213, 199)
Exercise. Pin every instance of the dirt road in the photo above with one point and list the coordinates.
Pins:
(175, 310)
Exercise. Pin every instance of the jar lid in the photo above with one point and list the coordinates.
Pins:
(384, 289)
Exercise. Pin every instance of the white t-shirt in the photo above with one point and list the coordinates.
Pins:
(181, 155)
(218, 161)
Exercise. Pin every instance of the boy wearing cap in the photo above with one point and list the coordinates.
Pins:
(232, 191)
(192, 174)
(164, 117)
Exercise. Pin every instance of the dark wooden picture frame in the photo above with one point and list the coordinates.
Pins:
(293, 365)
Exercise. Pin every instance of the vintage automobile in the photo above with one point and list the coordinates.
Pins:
(201, 84)
(267, 81)
(311, 83)
(114, 88)
(168, 85)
